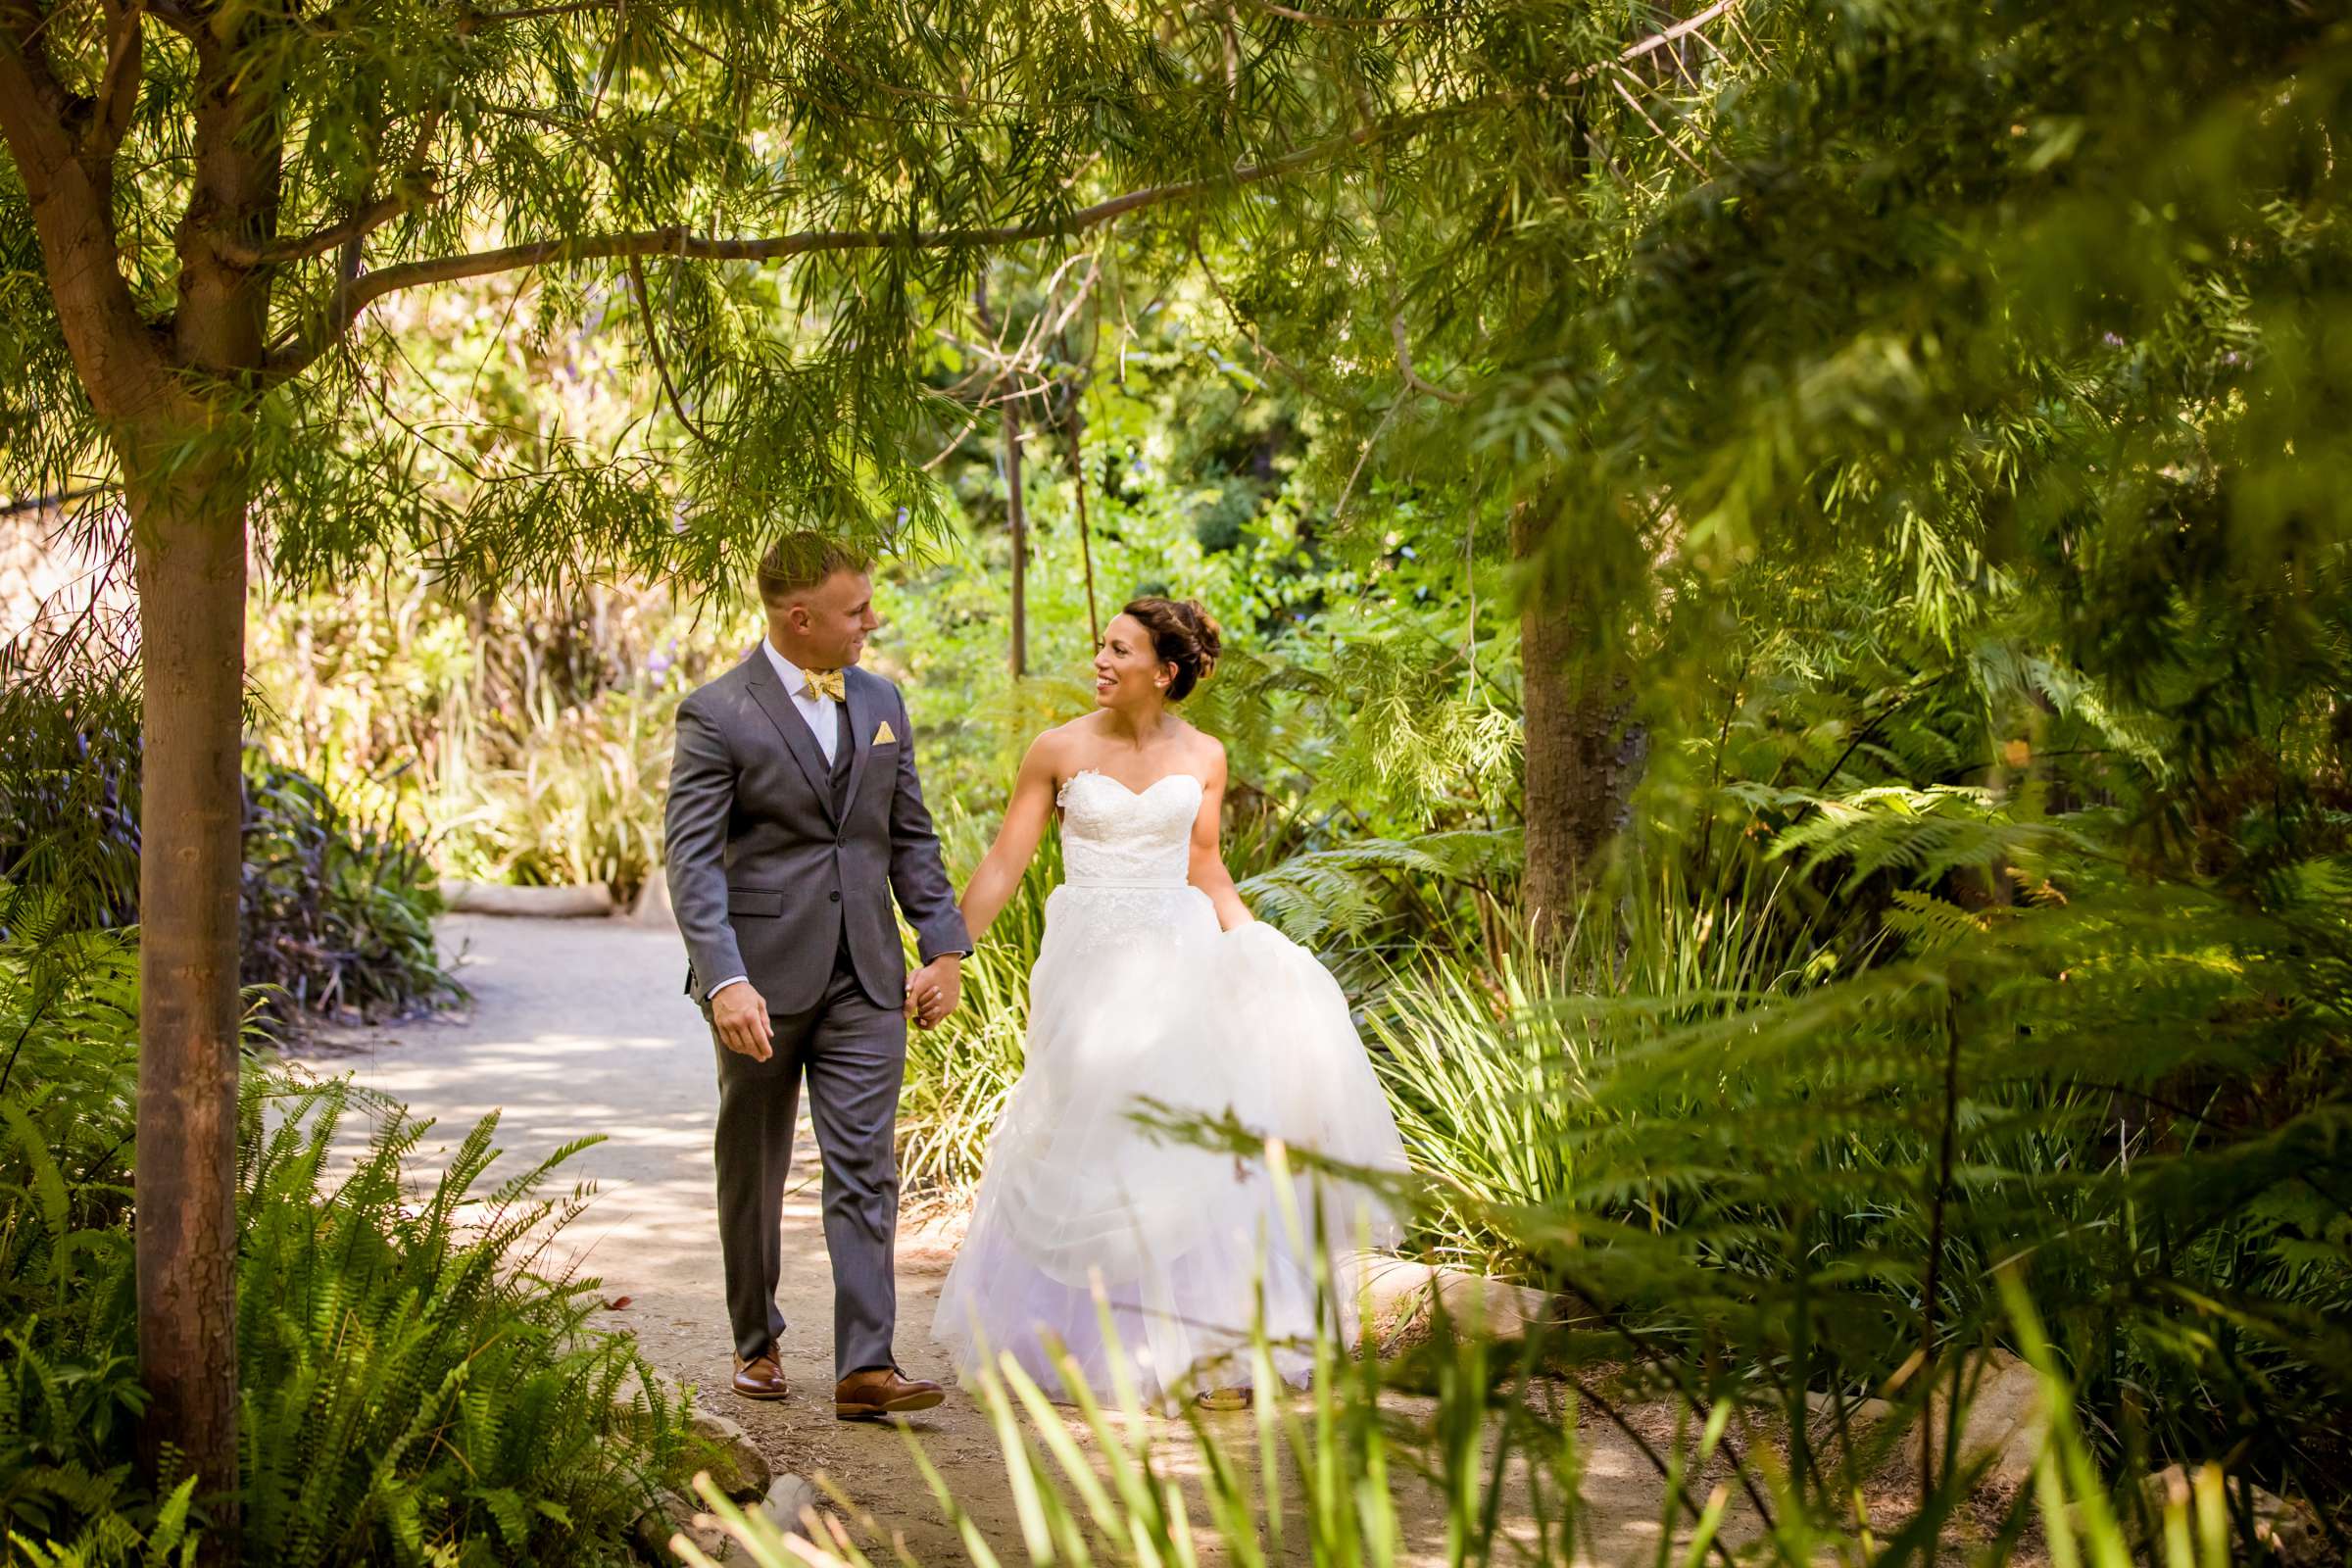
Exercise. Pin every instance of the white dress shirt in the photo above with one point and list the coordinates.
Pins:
(818, 709)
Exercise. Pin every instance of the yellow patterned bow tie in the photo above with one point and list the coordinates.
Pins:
(822, 683)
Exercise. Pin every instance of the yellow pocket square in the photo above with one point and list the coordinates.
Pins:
(884, 736)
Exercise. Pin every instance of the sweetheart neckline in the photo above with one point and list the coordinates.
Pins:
(1129, 787)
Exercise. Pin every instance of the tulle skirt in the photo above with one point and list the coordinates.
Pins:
(1137, 1003)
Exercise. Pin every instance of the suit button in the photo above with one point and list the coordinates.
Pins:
(836, 897)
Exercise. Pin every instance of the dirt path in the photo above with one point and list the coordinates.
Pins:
(578, 1028)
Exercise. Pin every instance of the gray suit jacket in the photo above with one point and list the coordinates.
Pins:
(767, 881)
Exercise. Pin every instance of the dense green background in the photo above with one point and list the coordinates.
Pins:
(1915, 431)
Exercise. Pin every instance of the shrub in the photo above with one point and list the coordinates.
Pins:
(335, 913)
(581, 801)
(2129, 1093)
(417, 1384)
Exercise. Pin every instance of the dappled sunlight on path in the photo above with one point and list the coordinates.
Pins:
(578, 1029)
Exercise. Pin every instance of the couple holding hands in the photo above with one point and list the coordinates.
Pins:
(795, 822)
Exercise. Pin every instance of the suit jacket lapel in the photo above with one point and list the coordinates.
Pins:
(864, 715)
(768, 691)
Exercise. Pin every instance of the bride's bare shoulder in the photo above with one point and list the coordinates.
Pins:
(1057, 750)
(1204, 752)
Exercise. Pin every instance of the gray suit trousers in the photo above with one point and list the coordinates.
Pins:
(853, 1056)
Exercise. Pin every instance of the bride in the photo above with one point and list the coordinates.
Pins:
(1154, 983)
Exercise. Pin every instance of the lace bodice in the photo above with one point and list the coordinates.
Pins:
(1112, 836)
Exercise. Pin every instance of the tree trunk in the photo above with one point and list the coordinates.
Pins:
(171, 402)
(1581, 757)
(189, 542)
(1017, 519)
(188, 477)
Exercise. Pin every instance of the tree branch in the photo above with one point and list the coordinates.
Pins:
(1338, 510)
(73, 213)
(175, 15)
(358, 226)
(474, 21)
(468, 20)
(678, 241)
(119, 87)
(1320, 19)
(1265, 354)
(349, 237)
(1688, 25)
(296, 353)
(1672, 146)
(1412, 377)
(26, 86)
(653, 341)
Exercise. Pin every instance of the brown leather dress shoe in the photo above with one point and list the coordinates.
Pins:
(880, 1390)
(760, 1378)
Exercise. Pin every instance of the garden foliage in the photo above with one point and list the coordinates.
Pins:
(421, 1383)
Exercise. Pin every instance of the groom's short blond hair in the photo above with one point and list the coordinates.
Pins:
(802, 559)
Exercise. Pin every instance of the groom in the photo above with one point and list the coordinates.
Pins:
(794, 817)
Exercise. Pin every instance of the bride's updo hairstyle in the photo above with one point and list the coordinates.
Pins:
(1183, 634)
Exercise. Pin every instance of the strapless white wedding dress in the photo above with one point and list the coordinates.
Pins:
(1137, 995)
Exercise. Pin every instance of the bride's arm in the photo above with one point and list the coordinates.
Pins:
(1025, 817)
(1207, 871)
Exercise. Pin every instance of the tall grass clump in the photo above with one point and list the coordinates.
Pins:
(577, 798)
(1493, 1089)
(1468, 1450)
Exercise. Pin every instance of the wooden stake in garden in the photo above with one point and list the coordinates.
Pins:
(1086, 534)
(1016, 524)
